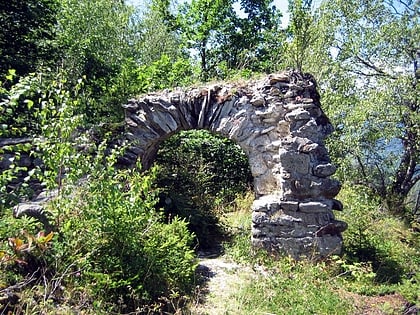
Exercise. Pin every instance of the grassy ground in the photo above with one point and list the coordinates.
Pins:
(379, 273)
(384, 281)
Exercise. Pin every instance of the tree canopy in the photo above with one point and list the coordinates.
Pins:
(370, 90)
(27, 35)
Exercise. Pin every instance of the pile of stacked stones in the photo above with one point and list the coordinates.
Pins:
(279, 124)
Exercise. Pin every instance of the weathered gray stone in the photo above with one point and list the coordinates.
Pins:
(289, 206)
(258, 100)
(335, 227)
(337, 205)
(294, 162)
(307, 187)
(309, 147)
(258, 232)
(131, 106)
(279, 218)
(329, 245)
(260, 217)
(267, 203)
(314, 206)
(278, 123)
(324, 170)
(258, 165)
(294, 231)
(274, 78)
(298, 114)
(34, 210)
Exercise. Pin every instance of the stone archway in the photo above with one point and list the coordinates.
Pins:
(281, 127)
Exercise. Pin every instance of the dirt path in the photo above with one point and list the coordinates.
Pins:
(221, 279)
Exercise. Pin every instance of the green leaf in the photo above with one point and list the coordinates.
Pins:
(29, 103)
(11, 74)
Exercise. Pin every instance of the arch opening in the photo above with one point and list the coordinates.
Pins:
(279, 124)
(200, 176)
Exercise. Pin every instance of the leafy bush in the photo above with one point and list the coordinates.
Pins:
(41, 109)
(111, 249)
(164, 73)
(377, 237)
(119, 243)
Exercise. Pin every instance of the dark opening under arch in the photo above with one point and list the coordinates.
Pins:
(200, 177)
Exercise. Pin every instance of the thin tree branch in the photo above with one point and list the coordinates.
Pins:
(382, 188)
(370, 65)
(391, 4)
(20, 285)
(407, 6)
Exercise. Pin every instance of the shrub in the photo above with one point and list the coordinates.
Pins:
(117, 242)
(111, 249)
(377, 237)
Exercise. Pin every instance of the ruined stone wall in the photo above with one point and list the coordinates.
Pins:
(280, 125)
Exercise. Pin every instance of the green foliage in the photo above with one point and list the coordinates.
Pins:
(237, 219)
(335, 286)
(10, 154)
(97, 38)
(253, 42)
(301, 31)
(374, 237)
(199, 21)
(221, 39)
(200, 174)
(370, 93)
(16, 105)
(57, 140)
(108, 210)
(381, 257)
(94, 36)
(291, 287)
(112, 248)
(42, 110)
(27, 35)
(117, 211)
(164, 73)
(154, 34)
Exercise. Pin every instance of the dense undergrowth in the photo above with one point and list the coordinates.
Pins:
(111, 251)
(201, 174)
(108, 247)
(126, 255)
(124, 241)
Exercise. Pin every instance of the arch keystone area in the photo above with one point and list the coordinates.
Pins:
(279, 124)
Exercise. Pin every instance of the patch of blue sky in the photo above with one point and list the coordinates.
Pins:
(281, 5)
